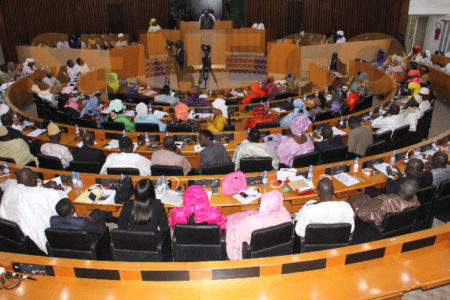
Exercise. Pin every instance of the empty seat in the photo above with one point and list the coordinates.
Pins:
(305, 160)
(255, 164)
(8, 159)
(334, 154)
(49, 162)
(326, 236)
(218, 169)
(124, 171)
(267, 125)
(178, 128)
(270, 241)
(88, 123)
(118, 126)
(167, 170)
(323, 116)
(383, 136)
(13, 240)
(376, 148)
(147, 127)
(85, 166)
(425, 213)
(400, 137)
(229, 127)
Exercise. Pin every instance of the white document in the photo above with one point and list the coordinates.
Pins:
(160, 114)
(171, 197)
(66, 188)
(252, 195)
(382, 168)
(278, 109)
(337, 131)
(130, 113)
(135, 146)
(284, 173)
(149, 93)
(107, 197)
(203, 96)
(106, 111)
(36, 132)
(198, 148)
(80, 144)
(112, 144)
(346, 179)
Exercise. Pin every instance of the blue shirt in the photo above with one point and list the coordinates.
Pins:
(150, 119)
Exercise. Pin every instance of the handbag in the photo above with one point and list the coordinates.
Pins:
(124, 190)
(233, 183)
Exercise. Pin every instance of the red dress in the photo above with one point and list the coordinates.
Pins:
(352, 100)
(263, 116)
(257, 92)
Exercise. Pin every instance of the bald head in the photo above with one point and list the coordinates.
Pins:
(439, 160)
(26, 177)
(325, 189)
(408, 189)
(414, 167)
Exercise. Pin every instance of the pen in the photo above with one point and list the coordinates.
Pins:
(359, 179)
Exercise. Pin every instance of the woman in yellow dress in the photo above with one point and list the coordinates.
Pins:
(220, 116)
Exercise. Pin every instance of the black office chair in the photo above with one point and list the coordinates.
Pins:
(49, 162)
(394, 224)
(13, 240)
(443, 189)
(198, 242)
(383, 136)
(161, 103)
(334, 154)
(139, 246)
(326, 236)
(305, 160)
(270, 241)
(425, 213)
(167, 170)
(147, 127)
(178, 128)
(85, 166)
(76, 244)
(229, 127)
(8, 159)
(88, 123)
(258, 99)
(64, 117)
(267, 125)
(255, 164)
(117, 126)
(345, 110)
(40, 107)
(424, 124)
(124, 171)
(441, 209)
(400, 137)
(323, 116)
(229, 102)
(220, 169)
(376, 148)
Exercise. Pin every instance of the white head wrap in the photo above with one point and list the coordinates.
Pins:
(340, 32)
(220, 104)
(141, 110)
(424, 91)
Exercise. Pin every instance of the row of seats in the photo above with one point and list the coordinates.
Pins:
(207, 242)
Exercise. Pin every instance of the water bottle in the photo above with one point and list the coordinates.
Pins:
(317, 93)
(163, 183)
(79, 181)
(84, 131)
(326, 90)
(74, 179)
(356, 166)
(381, 108)
(15, 114)
(167, 133)
(289, 98)
(434, 144)
(310, 172)
(158, 184)
(124, 133)
(122, 176)
(341, 122)
(265, 180)
(6, 170)
(51, 121)
(77, 130)
(371, 111)
(210, 92)
(417, 153)
(393, 157)
(147, 139)
(149, 108)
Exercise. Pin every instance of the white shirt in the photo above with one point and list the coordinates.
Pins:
(167, 99)
(73, 72)
(84, 68)
(254, 149)
(26, 70)
(341, 40)
(127, 160)
(31, 208)
(412, 117)
(154, 28)
(258, 26)
(388, 123)
(329, 212)
(423, 106)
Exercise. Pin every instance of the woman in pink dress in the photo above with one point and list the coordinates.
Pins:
(240, 226)
(196, 209)
(298, 144)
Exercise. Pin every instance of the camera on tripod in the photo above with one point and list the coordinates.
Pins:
(170, 43)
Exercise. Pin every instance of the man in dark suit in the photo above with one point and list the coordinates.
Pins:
(88, 152)
(414, 170)
(328, 140)
(179, 55)
(94, 224)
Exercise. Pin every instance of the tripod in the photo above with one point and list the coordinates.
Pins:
(206, 69)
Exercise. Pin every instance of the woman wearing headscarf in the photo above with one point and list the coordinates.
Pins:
(320, 105)
(426, 58)
(116, 115)
(14, 71)
(28, 67)
(298, 144)
(298, 105)
(425, 74)
(63, 105)
(262, 116)
(196, 209)
(194, 99)
(92, 111)
(270, 89)
(396, 67)
(257, 93)
(414, 88)
(143, 116)
(63, 75)
(415, 53)
(113, 83)
(220, 116)
(380, 59)
(72, 102)
(353, 98)
(412, 75)
(182, 114)
(240, 226)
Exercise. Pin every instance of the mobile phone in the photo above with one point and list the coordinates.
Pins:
(243, 195)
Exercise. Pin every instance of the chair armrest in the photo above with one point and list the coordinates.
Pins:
(101, 246)
(222, 243)
(246, 249)
(164, 248)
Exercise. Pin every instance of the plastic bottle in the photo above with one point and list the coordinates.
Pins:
(163, 183)
(371, 111)
(149, 108)
(79, 181)
(77, 130)
(393, 157)
(289, 98)
(167, 133)
(434, 145)
(341, 122)
(147, 139)
(381, 109)
(356, 166)
(122, 176)
(74, 179)
(417, 152)
(265, 180)
(6, 170)
(310, 172)
(124, 133)
(158, 184)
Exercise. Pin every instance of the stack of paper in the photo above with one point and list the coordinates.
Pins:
(278, 109)
(160, 114)
(247, 196)
(130, 113)
(112, 144)
(149, 93)
(198, 148)
(346, 179)
(284, 173)
(300, 184)
(337, 131)
(36, 132)
(382, 168)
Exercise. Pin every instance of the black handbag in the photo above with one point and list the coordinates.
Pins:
(124, 190)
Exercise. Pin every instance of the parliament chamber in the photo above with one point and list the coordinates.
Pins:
(407, 250)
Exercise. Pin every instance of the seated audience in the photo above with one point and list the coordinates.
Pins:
(415, 53)
(414, 88)
(196, 209)
(50, 79)
(82, 66)
(298, 144)
(113, 83)
(127, 159)
(340, 38)
(194, 99)
(165, 97)
(30, 205)
(327, 211)
(212, 153)
(117, 115)
(257, 93)
(262, 115)
(14, 71)
(270, 89)
(145, 212)
(425, 75)
(54, 148)
(395, 67)
(40, 88)
(425, 104)
(121, 42)
(63, 75)
(336, 64)
(28, 67)
(143, 116)
(15, 148)
(328, 140)
(153, 26)
(414, 170)
(8, 121)
(182, 114)
(73, 70)
(353, 98)
(375, 209)
(91, 110)
(94, 224)
(411, 113)
(87, 152)
(359, 138)
(4, 76)
(426, 58)
(379, 60)
(70, 101)
(171, 156)
(220, 116)
(391, 120)
(254, 148)
(439, 167)
(240, 226)
(320, 105)
(298, 105)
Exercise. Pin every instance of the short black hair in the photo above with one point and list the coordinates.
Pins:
(353, 120)
(6, 119)
(78, 60)
(326, 132)
(69, 60)
(207, 133)
(254, 135)
(64, 207)
(169, 142)
(165, 90)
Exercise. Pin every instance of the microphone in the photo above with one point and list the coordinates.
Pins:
(10, 275)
